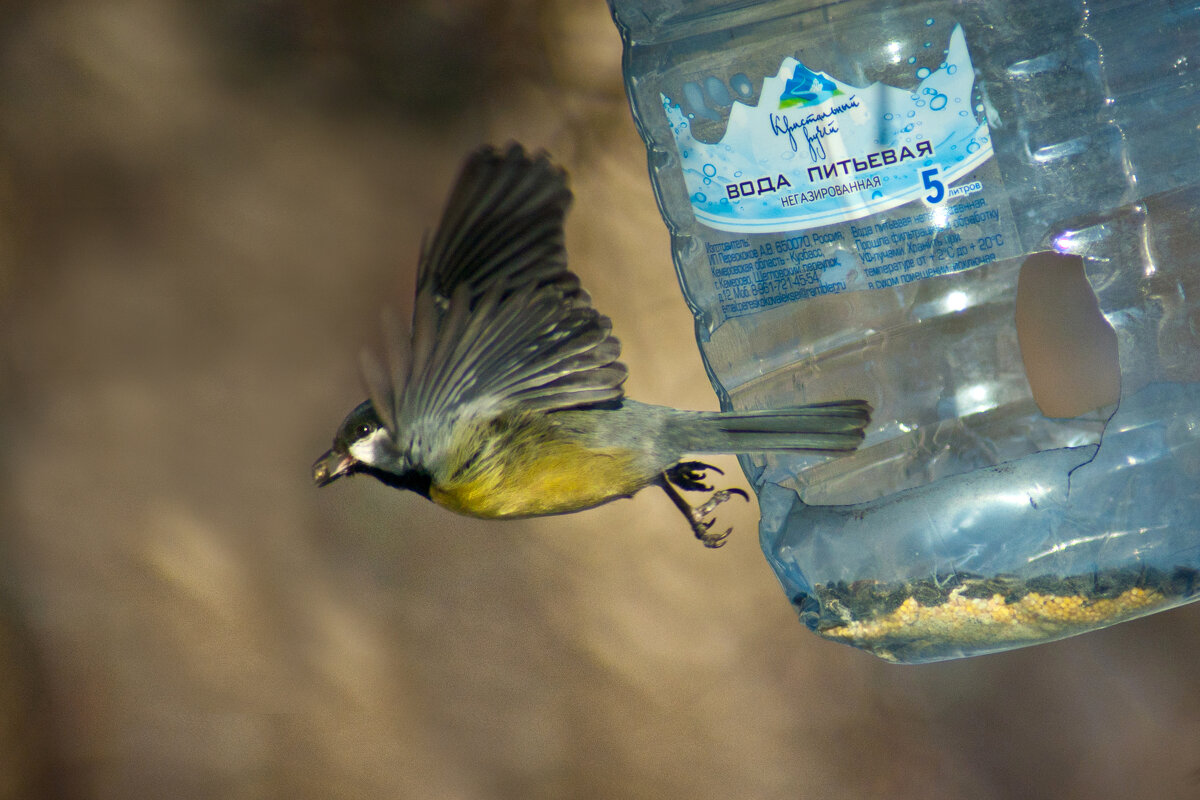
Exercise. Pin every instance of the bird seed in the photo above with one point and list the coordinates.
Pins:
(961, 613)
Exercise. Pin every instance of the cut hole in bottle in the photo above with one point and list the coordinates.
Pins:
(1068, 347)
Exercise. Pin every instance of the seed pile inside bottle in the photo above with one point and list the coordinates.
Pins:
(915, 620)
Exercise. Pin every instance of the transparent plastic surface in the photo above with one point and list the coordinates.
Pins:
(969, 521)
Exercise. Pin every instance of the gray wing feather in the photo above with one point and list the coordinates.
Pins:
(499, 322)
(503, 225)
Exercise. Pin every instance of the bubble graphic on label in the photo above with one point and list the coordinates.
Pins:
(923, 73)
(876, 195)
(709, 170)
(950, 68)
(937, 100)
(742, 84)
(700, 197)
(929, 21)
(972, 146)
(912, 59)
(929, 44)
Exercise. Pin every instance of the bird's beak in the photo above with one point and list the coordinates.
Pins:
(331, 466)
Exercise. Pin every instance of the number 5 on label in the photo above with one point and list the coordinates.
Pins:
(937, 188)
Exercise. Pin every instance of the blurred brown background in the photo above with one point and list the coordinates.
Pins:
(204, 205)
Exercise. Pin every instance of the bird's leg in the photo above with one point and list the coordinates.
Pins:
(689, 476)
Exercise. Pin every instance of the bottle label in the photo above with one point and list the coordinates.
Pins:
(816, 156)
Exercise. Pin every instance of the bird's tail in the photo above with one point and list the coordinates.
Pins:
(836, 426)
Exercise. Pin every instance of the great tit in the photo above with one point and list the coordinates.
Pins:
(504, 399)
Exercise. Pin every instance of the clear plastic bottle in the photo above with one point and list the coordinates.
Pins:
(856, 191)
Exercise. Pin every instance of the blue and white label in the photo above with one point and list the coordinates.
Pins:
(816, 151)
(823, 187)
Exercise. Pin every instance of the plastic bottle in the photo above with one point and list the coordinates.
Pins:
(865, 198)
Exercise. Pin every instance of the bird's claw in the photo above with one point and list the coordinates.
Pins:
(714, 540)
(701, 525)
(720, 497)
(689, 476)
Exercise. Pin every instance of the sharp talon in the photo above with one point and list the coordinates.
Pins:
(718, 498)
(713, 541)
(688, 476)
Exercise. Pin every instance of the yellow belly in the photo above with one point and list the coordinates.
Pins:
(559, 477)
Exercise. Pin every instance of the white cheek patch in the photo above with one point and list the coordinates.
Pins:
(372, 450)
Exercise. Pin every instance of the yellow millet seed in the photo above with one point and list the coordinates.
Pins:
(965, 620)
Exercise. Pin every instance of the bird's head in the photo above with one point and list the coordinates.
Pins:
(361, 442)
(364, 444)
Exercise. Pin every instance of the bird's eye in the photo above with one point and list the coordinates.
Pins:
(364, 430)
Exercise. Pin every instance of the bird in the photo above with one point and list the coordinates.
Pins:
(503, 398)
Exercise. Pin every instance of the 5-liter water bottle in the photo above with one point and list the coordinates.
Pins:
(982, 217)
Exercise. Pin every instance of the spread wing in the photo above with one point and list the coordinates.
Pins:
(499, 323)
